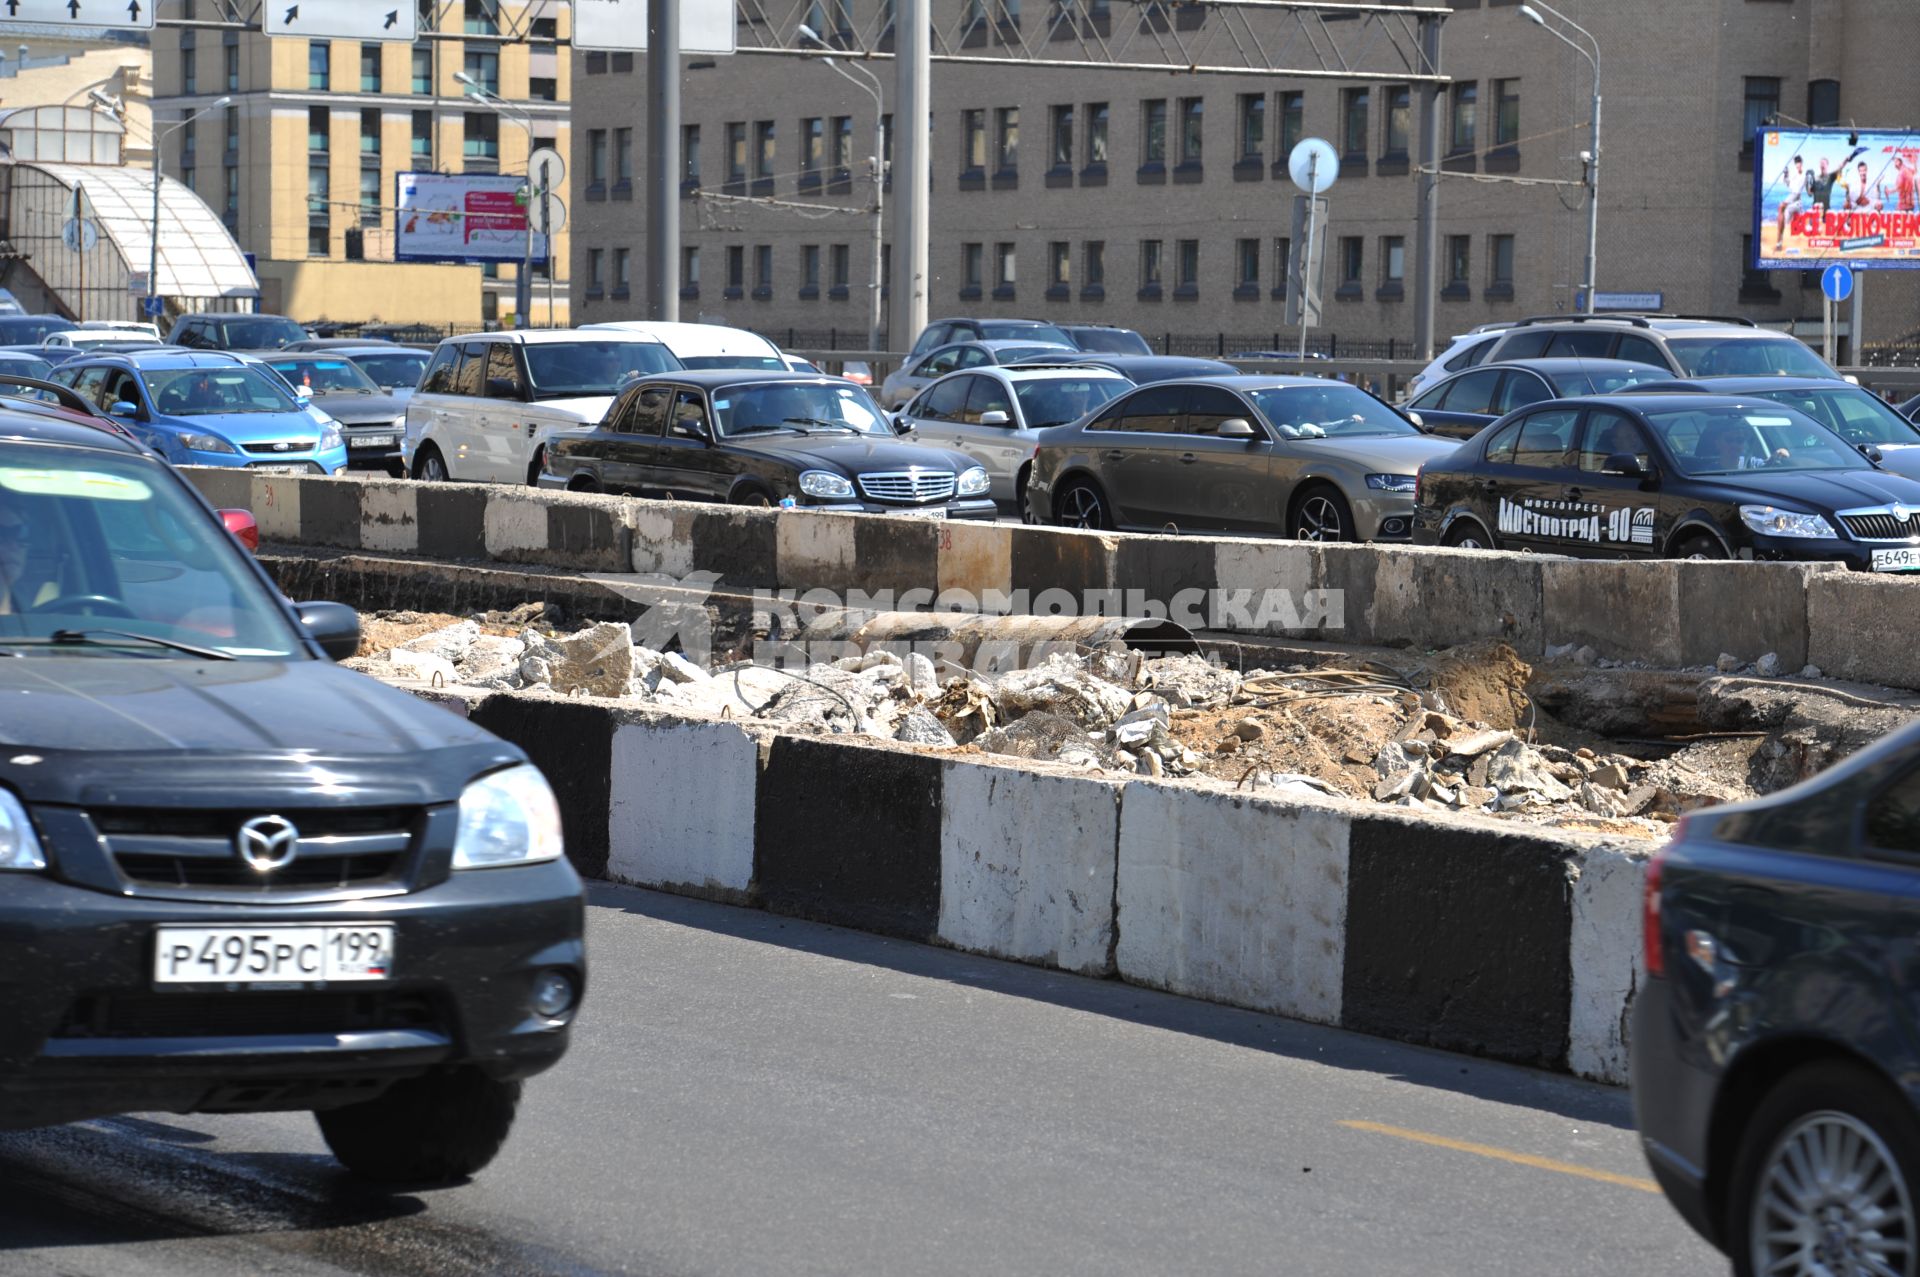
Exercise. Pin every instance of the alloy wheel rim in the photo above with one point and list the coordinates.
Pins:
(1083, 509)
(436, 469)
(1832, 1201)
(1319, 521)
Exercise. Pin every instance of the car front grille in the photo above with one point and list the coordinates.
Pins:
(1882, 524)
(198, 1015)
(902, 486)
(279, 447)
(336, 850)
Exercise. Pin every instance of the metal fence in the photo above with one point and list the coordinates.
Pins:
(1272, 345)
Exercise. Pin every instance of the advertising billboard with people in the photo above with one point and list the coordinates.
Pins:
(1826, 195)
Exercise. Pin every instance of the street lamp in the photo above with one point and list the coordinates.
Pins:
(523, 286)
(153, 254)
(871, 87)
(1531, 12)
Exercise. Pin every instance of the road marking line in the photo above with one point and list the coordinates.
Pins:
(1507, 1155)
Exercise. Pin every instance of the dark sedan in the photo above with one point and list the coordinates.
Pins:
(1682, 475)
(763, 438)
(1775, 1063)
(1138, 369)
(1859, 416)
(1467, 402)
(371, 419)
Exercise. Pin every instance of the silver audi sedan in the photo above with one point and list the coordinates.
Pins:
(1305, 457)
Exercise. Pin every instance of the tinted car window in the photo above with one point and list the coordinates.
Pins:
(1054, 401)
(1112, 341)
(1608, 434)
(989, 395)
(644, 412)
(1745, 357)
(1545, 438)
(393, 372)
(1722, 439)
(1156, 410)
(1521, 389)
(1472, 392)
(1604, 380)
(439, 377)
(1431, 399)
(1500, 448)
(1008, 354)
(940, 362)
(1640, 350)
(1208, 406)
(471, 380)
(503, 373)
(571, 369)
(254, 332)
(946, 401)
(973, 357)
(1473, 353)
(1588, 343)
(689, 414)
(1024, 332)
(1893, 817)
(1525, 345)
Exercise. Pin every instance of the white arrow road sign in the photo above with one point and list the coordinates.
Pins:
(118, 15)
(706, 26)
(342, 19)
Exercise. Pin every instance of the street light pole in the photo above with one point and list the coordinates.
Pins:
(153, 253)
(523, 285)
(1531, 12)
(878, 165)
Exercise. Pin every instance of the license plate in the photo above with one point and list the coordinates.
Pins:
(273, 955)
(924, 512)
(1902, 560)
(281, 469)
(369, 441)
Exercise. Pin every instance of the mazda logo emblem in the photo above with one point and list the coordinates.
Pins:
(267, 842)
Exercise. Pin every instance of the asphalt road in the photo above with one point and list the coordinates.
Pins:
(752, 1094)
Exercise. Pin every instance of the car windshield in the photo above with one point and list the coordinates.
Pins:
(96, 541)
(1604, 381)
(1728, 438)
(25, 366)
(1112, 341)
(1332, 411)
(1856, 415)
(217, 392)
(761, 363)
(991, 331)
(324, 376)
(1007, 354)
(796, 406)
(572, 369)
(1054, 401)
(1746, 357)
(31, 330)
(399, 371)
(258, 332)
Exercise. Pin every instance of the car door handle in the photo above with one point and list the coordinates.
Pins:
(1490, 485)
(1573, 494)
(1187, 458)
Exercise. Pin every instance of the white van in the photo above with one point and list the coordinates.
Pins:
(705, 345)
(488, 401)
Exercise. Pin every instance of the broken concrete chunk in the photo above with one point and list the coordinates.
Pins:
(1609, 776)
(598, 661)
(918, 726)
(1060, 686)
(921, 675)
(1188, 680)
(1036, 735)
(681, 670)
(450, 644)
(1477, 743)
(1728, 663)
(1768, 666)
(1809, 671)
(1249, 729)
(422, 666)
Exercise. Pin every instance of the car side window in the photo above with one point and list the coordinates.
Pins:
(940, 363)
(1525, 345)
(1586, 343)
(1545, 438)
(1500, 447)
(1208, 406)
(122, 386)
(946, 401)
(1430, 401)
(646, 412)
(1155, 410)
(471, 380)
(1893, 816)
(689, 420)
(989, 394)
(1640, 350)
(1520, 389)
(90, 384)
(1609, 434)
(504, 378)
(973, 357)
(1467, 358)
(440, 373)
(1473, 391)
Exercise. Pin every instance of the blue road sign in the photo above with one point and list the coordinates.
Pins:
(154, 307)
(1836, 281)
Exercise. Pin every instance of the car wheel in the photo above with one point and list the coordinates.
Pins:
(1322, 515)
(533, 467)
(1700, 546)
(1825, 1178)
(1467, 534)
(1080, 505)
(439, 1128)
(430, 466)
(1020, 506)
(752, 497)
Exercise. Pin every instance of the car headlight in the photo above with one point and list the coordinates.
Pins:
(19, 845)
(206, 443)
(974, 482)
(820, 483)
(508, 818)
(1391, 482)
(329, 436)
(1775, 522)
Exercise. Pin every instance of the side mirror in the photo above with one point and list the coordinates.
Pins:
(1419, 422)
(994, 418)
(334, 626)
(122, 408)
(1870, 452)
(503, 388)
(695, 429)
(901, 424)
(303, 393)
(1236, 428)
(1624, 464)
(241, 525)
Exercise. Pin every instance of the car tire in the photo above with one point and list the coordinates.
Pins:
(439, 1128)
(533, 467)
(430, 466)
(1810, 1116)
(1321, 513)
(1468, 534)
(752, 497)
(1081, 505)
(1699, 545)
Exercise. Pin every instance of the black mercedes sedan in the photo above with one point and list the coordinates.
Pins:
(763, 438)
(1647, 475)
(1775, 1064)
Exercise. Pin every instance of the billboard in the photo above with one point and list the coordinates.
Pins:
(462, 217)
(1827, 195)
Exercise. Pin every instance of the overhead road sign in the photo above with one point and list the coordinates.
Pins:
(343, 19)
(115, 15)
(706, 26)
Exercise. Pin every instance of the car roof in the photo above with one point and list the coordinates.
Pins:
(163, 357)
(1138, 361)
(35, 428)
(1758, 384)
(716, 338)
(1260, 381)
(1041, 372)
(1653, 400)
(1563, 363)
(708, 378)
(349, 351)
(1006, 343)
(992, 319)
(549, 336)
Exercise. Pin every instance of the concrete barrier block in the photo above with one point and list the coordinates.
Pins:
(893, 552)
(1857, 625)
(661, 535)
(224, 487)
(1456, 937)
(1350, 575)
(571, 742)
(1628, 611)
(1605, 953)
(1439, 597)
(1747, 609)
(514, 525)
(1159, 569)
(974, 558)
(815, 550)
(390, 517)
(1061, 558)
(276, 507)
(330, 513)
(739, 543)
(849, 834)
(1233, 899)
(1027, 865)
(1270, 579)
(683, 806)
(452, 520)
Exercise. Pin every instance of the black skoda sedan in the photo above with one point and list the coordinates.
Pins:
(1677, 476)
(1775, 1062)
(764, 438)
(235, 877)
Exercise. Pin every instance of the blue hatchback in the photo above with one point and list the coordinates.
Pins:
(203, 408)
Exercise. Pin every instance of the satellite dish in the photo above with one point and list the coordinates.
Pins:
(1313, 165)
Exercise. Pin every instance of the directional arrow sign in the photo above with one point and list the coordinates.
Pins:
(706, 26)
(115, 15)
(339, 19)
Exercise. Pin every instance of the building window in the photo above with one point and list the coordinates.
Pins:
(1353, 126)
(1246, 254)
(1192, 130)
(483, 17)
(690, 271)
(841, 156)
(1095, 273)
(1755, 285)
(1500, 257)
(1253, 126)
(1506, 112)
(1399, 121)
(886, 141)
(1097, 134)
(972, 263)
(1823, 102)
(1352, 264)
(370, 197)
(763, 271)
(1293, 124)
(319, 241)
(1150, 267)
(369, 68)
(736, 152)
(1187, 267)
(319, 194)
(189, 155)
(622, 283)
(690, 155)
(763, 151)
(736, 270)
(1282, 263)
(545, 88)
(812, 146)
(482, 141)
(483, 67)
(1153, 131)
(973, 143)
(1060, 137)
(319, 131)
(1464, 107)
(1762, 104)
(189, 74)
(423, 139)
(596, 272)
(1059, 268)
(809, 271)
(1003, 271)
(319, 64)
(1459, 266)
(623, 157)
(596, 160)
(1393, 265)
(233, 134)
(1006, 143)
(370, 131)
(842, 276)
(422, 70)
(231, 54)
(230, 208)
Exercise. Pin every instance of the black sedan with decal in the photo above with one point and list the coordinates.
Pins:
(1669, 476)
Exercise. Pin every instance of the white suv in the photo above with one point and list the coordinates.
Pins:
(487, 402)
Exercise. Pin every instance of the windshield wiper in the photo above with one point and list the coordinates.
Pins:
(822, 422)
(114, 638)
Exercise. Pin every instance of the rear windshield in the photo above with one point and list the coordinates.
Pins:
(1856, 415)
(1111, 341)
(765, 363)
(1024, 332)
(1746, 357)
(1054, 401)
(1604, 381)
(1333, 411)
(31, 330)
(256, 332)
(1007, 354)
(324, 376)
(572, 369)
(394, 372)
(1733, 438)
